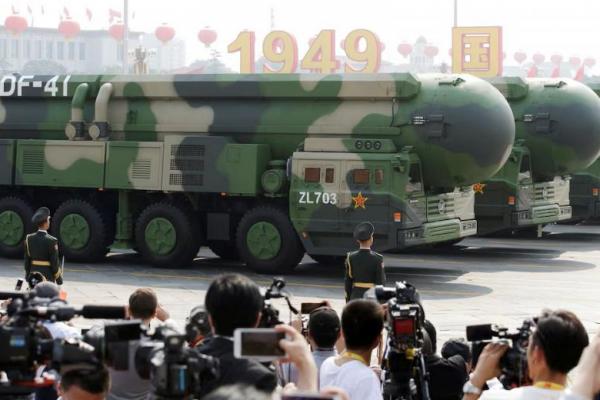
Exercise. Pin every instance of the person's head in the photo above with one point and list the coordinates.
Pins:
(237, 392)
(362, 323)
(363, 234)
(143, 304)
(432, 333)
(84, 384)
(323, 328)
(233, 301)
(47, 290)
(41, 218)
(459, 347)
(556, 344)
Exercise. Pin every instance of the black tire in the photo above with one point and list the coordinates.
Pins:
(329, 260)
(25, 211)
(186, 225)
(100, 232)
(290, 252)
(224, 249)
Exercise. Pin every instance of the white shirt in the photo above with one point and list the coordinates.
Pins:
(522, 393)
(358, 380)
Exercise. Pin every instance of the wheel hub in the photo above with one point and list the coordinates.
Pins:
(263, 240)
(160, 236)
(11, 228)
(74, 231)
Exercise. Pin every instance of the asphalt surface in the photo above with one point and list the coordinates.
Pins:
(498, 280)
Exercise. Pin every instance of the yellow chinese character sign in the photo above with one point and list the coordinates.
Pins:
(477, 50)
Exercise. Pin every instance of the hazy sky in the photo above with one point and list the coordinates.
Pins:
(569, 28)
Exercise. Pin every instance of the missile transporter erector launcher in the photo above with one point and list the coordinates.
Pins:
(258, 167)
(557, 134)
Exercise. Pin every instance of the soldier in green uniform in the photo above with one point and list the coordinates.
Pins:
(41, 249)
(364, 267)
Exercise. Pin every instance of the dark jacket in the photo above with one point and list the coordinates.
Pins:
(446, 377)
(363, 267)
(234, 370)
(41, 255)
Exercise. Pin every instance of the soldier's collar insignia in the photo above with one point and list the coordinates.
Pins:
(478, 187)
(359, 200)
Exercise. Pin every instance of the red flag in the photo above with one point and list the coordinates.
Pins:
(533, 71)
(88, 12)
(579, 74)
(555, 72)
(66, 12)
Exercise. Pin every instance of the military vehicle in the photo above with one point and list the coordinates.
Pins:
(260, 167)
(557, 134)
(585, 185)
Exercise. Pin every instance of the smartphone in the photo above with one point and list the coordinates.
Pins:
(307, 308)
(309, 396)
(19, 284)
(261, 344)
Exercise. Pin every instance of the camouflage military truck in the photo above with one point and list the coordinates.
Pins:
(557, 134)
(585, 185)
(258, 167)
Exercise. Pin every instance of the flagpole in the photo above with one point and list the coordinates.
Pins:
(125, 35)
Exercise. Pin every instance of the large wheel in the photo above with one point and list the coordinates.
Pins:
(166, 235)
(329, 260)
(82, 231)
(15, 223)
(267, 241)
(224, 249)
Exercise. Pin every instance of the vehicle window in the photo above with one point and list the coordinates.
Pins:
(360, 176)
(312, 175)
(379, 176)
(525, 169)
(329, 175)
(414, 179)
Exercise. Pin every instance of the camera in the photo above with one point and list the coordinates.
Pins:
(270, 315)
(514, 362)
(405, 370)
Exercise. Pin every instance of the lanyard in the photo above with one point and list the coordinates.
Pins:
(354, 356)
(549, 385)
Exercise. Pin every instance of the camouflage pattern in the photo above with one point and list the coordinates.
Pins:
(558, 134)
(224, 144)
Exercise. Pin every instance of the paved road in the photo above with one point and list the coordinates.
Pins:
(480, 280)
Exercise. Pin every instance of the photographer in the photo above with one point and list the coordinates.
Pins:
(234, 301)
(84, 384)
(362, 323)
(555, 347)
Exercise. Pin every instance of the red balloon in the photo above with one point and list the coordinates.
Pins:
(405, 49)
(117, 31)
(207, 36)
(575, 61)
(164, 33)
(431, 51)
(589, 62)
(520, 57)
(556, 58)
(538, 58)
(15, 24)
(69, 28)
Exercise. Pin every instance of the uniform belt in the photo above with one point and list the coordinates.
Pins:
(363, 285)
(40, 263)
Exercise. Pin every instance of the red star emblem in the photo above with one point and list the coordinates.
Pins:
(359, 200)
(478, 187)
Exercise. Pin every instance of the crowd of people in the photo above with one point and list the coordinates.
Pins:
(340, 356)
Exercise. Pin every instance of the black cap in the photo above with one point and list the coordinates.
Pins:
(364, 231)
(40, 216)
(324, 319)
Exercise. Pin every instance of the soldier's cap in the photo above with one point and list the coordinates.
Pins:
(47, 290)
(41, 215)
(324, 319)
(364, 231)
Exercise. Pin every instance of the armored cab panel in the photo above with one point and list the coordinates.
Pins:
(134, 165)
(213, 164)
(60, 163)
(7, 154)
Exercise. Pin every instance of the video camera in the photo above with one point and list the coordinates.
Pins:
(270, 315)
(405, 370)
(514, 362)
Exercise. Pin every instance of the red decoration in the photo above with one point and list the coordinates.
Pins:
(69, 28)
(405, 49)
(574, 61)
(117, 31)
(579, 75)
(533, 71)
(556, 58)
(207, 36)
(589, 62)
(520, 57)
(538, 58)
(431, 51)
(15, 24)
(164, 33)
(555, 72)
